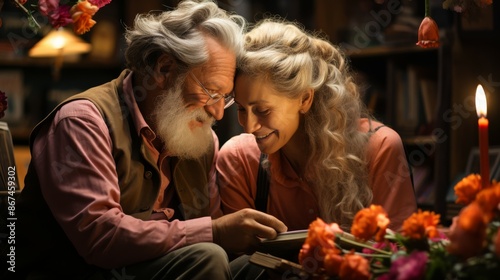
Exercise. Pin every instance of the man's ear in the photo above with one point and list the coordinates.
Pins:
(164, 69)
(306, 102)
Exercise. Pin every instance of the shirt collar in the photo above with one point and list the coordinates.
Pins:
(137, 117)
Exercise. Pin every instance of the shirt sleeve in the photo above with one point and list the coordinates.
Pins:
(237, 166)
(213, 190)
(390, 176)
(78, 179)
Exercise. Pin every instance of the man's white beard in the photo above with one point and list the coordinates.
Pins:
(173, 125)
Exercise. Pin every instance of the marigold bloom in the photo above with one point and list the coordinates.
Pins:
(467, 189)
(370, 222)
(468, 232)
(319, 243)
(82, 13)
(354, 267)
(332, 262)
(489, 199)
(428, 34)
(420, 225)
(3, 103)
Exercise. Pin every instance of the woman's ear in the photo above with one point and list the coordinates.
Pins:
(306, 102)
(164, 69)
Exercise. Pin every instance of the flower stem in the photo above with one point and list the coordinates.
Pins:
(388, 256)
(32, 19)
(427, 9)
(363, 245)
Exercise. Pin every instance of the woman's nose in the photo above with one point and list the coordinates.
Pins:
(249, 123)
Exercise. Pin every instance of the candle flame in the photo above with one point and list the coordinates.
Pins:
(481, 107)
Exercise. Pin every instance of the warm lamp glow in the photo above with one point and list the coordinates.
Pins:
(481, 107)
(59, 42)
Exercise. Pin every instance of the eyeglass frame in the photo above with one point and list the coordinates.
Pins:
(213, 98)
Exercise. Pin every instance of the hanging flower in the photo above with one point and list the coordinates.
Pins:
(62, 13)
(82, 13)
(3, 103)
(428, 34)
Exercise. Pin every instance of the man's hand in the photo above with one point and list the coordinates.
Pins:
(240, 231)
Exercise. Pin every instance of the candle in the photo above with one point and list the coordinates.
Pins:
(483, 136)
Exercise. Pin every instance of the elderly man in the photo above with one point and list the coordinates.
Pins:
(122, 181)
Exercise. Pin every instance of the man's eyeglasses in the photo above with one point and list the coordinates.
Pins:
(215, 97)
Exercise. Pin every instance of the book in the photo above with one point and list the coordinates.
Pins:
(286, 244)
(429, 98)
(292, 241)
(277, 264)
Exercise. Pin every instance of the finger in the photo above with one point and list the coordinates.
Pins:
(270, 221)
(264, 231)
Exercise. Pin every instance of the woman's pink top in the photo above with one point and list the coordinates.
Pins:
(293, 201)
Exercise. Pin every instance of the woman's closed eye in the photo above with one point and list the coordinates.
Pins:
(256, 111)
(262, 111)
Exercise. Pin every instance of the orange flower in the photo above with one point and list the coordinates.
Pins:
(82, 13)
(354, 267)
(428, 34)
(489, 199)
(332, 263)
(467, 189)
(370, 222)
(468, 232)
(320, 242)
(420, 225)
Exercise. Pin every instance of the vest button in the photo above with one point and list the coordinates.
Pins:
(148, 174)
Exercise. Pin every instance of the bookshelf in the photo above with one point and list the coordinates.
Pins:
(412, 88)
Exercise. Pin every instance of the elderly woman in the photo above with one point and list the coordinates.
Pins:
(326, 157)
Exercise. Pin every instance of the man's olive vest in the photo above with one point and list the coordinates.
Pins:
(41, 241)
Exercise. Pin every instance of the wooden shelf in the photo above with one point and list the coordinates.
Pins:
(386, 50)
(398, 72)
(70, 62)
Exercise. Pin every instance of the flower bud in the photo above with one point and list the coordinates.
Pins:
(428, 34)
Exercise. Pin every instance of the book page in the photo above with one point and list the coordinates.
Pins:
(286, 245)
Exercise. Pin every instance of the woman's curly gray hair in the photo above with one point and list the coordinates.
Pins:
(294, 61)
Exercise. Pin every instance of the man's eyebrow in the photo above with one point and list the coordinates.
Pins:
(215, 85)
